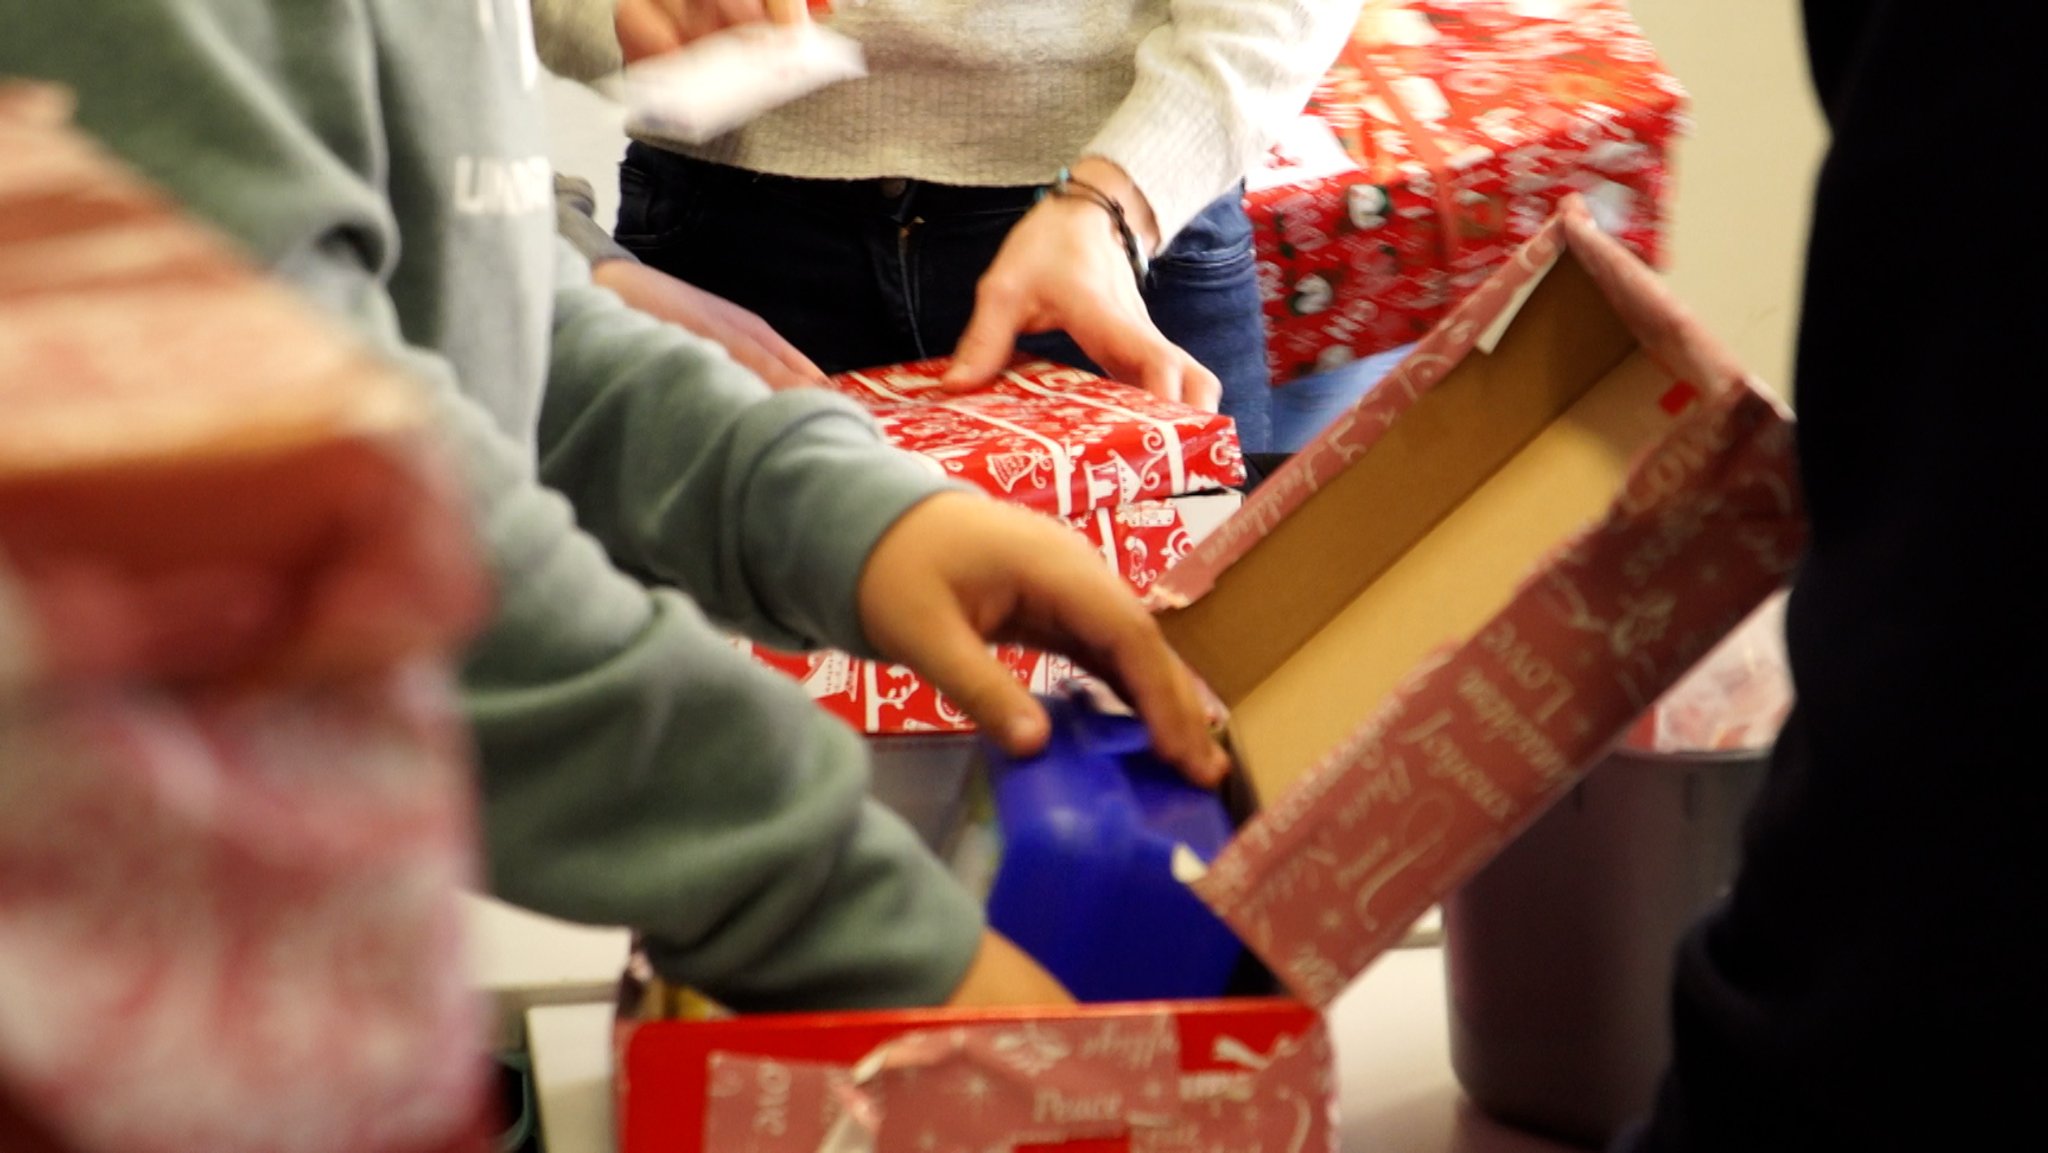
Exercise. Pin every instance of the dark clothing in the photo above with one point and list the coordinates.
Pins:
(1875, 981)
(865, 273)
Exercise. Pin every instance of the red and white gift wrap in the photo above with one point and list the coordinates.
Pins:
(1709, 523)
(1446, 134)
(236, 811)
(1058, 440)
(1105, 458)
(1161, 1077)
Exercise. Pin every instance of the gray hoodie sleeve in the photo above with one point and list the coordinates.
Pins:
(636, 770)
(576, 221)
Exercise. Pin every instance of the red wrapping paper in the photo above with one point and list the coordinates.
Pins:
(1057, 440)
(1165, 1077)
(1446, 134)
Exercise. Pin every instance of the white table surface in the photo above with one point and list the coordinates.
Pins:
(1396, 1092)
(522, 960)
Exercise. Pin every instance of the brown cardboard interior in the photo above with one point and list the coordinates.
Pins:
(1267, 604)
(1305, 633)
(1454, 579)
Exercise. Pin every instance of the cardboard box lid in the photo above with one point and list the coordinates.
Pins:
(1057, 439)
(1557, 502)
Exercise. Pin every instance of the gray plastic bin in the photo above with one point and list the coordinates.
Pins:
(1559, 953)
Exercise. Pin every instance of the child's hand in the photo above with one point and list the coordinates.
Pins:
(960, 571)
(745, 337)
(1003, 974)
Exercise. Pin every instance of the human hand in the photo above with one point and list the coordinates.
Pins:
(960, 571)
(1003, 974)
(651, 27)
(1064, 267)
(746, 337)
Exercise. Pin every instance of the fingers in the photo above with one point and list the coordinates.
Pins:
(686, 20)
(1132, 350)
(1199, 387)
(644, 29)
(736, 12)
(787, 366)
(762, 362)
(958, 662)
(985, 348)
(37, 104)
(1076, 605)
(757, 347)
(1125, 646)
(789, 11)
(959, 572)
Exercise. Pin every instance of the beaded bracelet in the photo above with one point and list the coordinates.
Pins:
(1066, 184)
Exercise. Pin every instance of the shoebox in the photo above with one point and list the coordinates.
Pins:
(1151, 1077)
(1444, 136)
(1427, 627)
(1141, 479)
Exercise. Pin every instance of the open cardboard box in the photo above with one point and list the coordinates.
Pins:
(1427, 627)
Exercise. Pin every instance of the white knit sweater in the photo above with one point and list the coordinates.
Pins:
(1184, 95)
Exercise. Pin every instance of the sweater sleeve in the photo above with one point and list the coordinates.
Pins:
(636, 770)
(576, 221)
(1214, 85)
(762, 506)
(576, 39)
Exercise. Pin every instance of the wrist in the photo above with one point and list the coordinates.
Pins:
(1071, 193)
(1110, 177)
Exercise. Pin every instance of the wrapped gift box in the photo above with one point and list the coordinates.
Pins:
(1055, 439)
(1428, 626)
(1140, 479)
(235, 797)
(1155, 1077)
(1445, 135)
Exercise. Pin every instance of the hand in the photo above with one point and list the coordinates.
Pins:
(1003, 974)
(959, 571)
(651, 27)
(1064, 267)
(746, 337)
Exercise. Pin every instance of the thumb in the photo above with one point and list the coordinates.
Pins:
(986, 346)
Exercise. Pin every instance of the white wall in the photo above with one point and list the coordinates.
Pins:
(1744, 176)
(586, 137)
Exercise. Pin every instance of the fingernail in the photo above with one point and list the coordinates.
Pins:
(1024, 733)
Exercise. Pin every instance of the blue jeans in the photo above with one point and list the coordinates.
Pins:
(862, 273)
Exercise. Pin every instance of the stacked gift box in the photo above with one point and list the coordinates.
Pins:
(1445, 135)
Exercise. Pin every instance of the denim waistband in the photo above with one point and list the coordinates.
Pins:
(890, 196)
